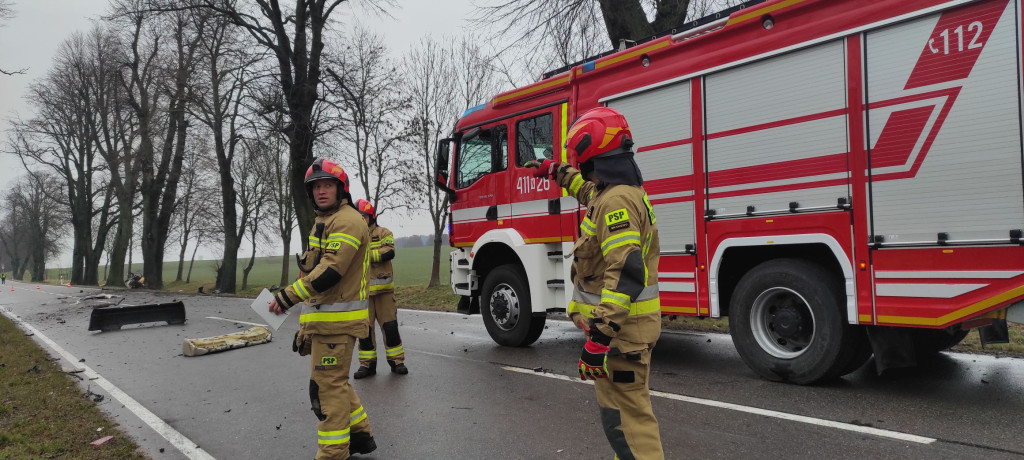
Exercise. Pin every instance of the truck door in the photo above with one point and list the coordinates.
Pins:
(536, 203)
(481, 183)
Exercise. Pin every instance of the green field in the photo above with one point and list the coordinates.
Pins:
(412, 267)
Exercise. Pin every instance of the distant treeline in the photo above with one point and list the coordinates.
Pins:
(416, 241)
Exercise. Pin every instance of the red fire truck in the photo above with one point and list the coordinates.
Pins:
(839, 178)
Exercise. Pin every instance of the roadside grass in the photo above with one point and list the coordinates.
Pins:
(43, 412)
(972, 343)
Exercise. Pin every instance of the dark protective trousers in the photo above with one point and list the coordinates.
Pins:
(383, 312)
(334, 401)
(626, 414)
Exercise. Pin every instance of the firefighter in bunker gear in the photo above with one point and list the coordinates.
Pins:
(383, 310)
(332, 285)
(615, 278)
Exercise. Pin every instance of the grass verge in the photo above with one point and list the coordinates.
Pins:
(43, 412)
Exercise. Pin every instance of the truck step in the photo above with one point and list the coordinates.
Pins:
(554, 254)
(556, 284)
(555, 310)
(462, 262)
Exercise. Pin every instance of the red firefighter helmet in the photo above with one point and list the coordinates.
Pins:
(365, 207)
(326, 169)
(598, 131)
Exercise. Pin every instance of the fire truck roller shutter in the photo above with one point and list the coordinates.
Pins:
(660, 121)
(777, 133)
(506, 307)
(944, 126)
(787, 322)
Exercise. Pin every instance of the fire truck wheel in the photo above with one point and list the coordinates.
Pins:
(505, 306)
(786, 321)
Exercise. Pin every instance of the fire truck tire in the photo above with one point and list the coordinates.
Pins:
(505, 307)
(786, 321)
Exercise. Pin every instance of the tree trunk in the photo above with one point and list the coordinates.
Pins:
(285, 259)
(181, 256)
(435, 265)
(626, 20)
(232, 240)
(38, 260)
(245, 271)
(301, 153)
(188, 278)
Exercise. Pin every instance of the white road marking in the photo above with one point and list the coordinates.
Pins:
(178, 440)
(751, 410)
(236, 321)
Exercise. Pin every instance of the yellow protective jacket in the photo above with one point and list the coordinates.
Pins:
(333, 276)
(382, 250)
(615, 261)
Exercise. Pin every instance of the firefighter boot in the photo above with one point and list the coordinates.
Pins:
(366, 371)
(361, 443)
(397, 368)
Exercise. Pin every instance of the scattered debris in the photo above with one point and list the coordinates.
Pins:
(109, 318)
(205, 346)
(34, 368)
(81, 360)
(278, 426)
(229, 410)
(101, 440)
(94, 396)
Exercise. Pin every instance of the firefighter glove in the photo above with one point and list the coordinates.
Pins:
(594, 359)
(544, 169)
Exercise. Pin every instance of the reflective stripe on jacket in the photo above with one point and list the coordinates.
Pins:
(382, 250)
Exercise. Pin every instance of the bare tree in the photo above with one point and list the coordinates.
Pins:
(443, 81)
(6, 14)
(256, 180)
(279, 190)
(63, 137)
(228, 68)
(191, 202)
(14, 237)
(543, 20)
(295, 36)
(43, 221)
(154, 71)
(370, 127)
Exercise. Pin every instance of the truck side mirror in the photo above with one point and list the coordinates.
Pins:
(441, 173)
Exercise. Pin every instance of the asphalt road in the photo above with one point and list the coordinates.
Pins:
(468, 398)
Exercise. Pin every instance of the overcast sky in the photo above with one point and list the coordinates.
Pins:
(31, 39)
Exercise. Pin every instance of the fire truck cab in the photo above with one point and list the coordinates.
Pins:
(839, 178)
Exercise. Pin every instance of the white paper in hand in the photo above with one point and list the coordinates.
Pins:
(262, 307)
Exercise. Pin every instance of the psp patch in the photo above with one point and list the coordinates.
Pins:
(334, 245)
(616, 216)
(328, 361)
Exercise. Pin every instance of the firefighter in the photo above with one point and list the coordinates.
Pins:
(382, 300)
(332, 287)
(615, 278)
